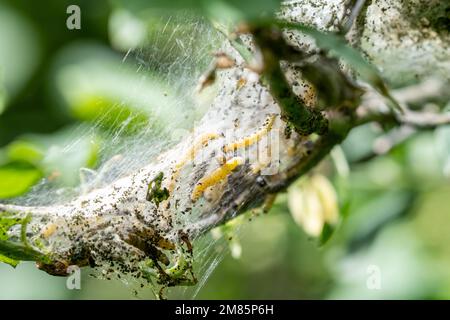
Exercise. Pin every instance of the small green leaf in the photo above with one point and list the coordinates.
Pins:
(6, 222)
(96, 86)
(13, 263)
(16, 179)
(326, 234)
(56, 155)
(13, 252)
(24, 151)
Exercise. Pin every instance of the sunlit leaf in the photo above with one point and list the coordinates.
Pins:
(327, 233)
(21, 252)
(24, 151)
(13, 263)
(16, 179)
(57, 157)
(7, 220)
(95, 85)
(63, 156)
(13, 251)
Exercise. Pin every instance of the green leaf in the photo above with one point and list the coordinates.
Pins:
(224, 9)
(16, 179)
(13, 252)
(58, 155)
(327, 233)
(21, 252)
(24, 151)
(337, 46)
(13, 263)
(95, 85)
(6, 222)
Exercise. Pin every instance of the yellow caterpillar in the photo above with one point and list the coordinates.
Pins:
(253, 138)
(215, 177)
(49, 230)
(190, 155)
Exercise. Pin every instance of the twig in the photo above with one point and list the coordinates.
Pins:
(384, 144)
(420, 120)
(374, 109)
(424, 120)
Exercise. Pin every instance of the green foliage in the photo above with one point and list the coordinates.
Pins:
(30, 158)
(234, 10)
(85, 81)
(20, 252)
(7, 220)
(327, 233)
(13, 263)
(92, 85)
(12, 252)
(16, 178)
(24, 151)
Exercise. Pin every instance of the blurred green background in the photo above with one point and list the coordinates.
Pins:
(53, 81)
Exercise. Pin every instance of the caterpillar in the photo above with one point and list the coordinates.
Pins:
(49, 230)
(215, 177)
(253, 138)
(190, 155)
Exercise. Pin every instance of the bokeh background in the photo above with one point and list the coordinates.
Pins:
(395, 216)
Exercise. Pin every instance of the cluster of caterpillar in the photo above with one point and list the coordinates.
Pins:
(190, 156)
(215, 177)
(220, 174)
